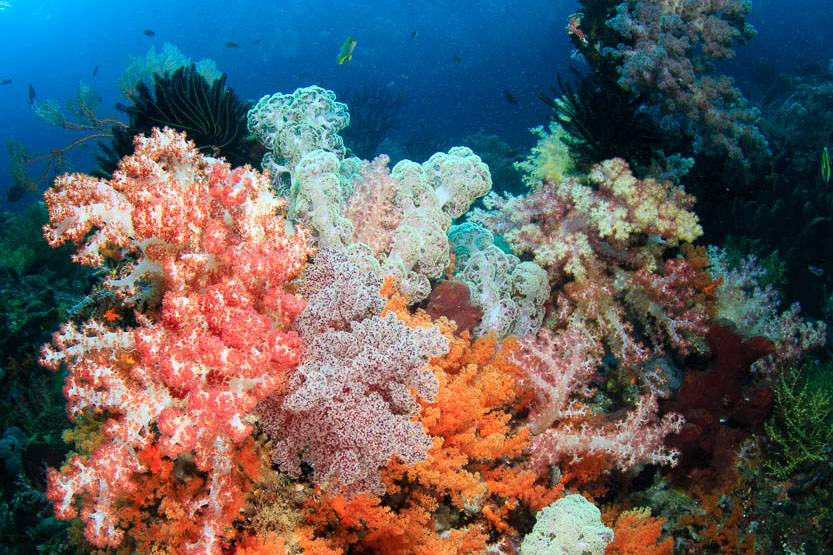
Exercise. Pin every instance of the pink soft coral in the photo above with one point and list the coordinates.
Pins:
(213, 242)
(350, 406)
(557, 368)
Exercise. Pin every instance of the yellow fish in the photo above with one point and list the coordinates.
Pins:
(345, 53)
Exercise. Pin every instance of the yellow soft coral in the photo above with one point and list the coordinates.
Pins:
(549, 159)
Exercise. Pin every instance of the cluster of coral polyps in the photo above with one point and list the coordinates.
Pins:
(211, 241)
(389, 430)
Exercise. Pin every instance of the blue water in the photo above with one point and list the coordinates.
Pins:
(452, 74)
(518, 46)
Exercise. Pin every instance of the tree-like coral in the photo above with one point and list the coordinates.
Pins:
(477, 457)
(801, 427)
(473, 478)
(636, 532)
(336, 526)
(664, 50)
(349, 407)
(555, 367)
(570, 228)
(374, 111)
(754, 310)
(664, 304)
(590, 237)
(182, 381)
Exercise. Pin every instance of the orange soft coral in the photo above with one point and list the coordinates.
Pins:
(336, 526)
(158, 515)
(720, 520)
(476, 455)
(638, 533)
(588, 474)
(472, 479)
(255, 545)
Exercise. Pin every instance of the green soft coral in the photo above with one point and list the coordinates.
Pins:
(801, 427)
(549, 159)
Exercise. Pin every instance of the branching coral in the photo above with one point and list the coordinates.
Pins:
(571, 228)
(349, 407)
(183, 382)
(755, 311)
(590, 237)
(665, 51)
(638, 533)
(556, 367)
(665, 304)
(364, 523)
(143, 69)
(80, 115)
(472, 479)
(801, 427)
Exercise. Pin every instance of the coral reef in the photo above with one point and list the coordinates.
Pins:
(801, 427)
(292, 125)
(337, 356)
(398, 218)
(348, 407)
(510, 293)
(667, 54)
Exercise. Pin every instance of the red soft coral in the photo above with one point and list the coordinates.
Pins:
(212, 242)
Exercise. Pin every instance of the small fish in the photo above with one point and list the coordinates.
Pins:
(6, 81)
(31, 94)
(230, 44)
(414, 34)
(95, 70)
(825, 165)
(149, 33)
(457, 59)
(15, 193)
(345, 53)
(509, 97)
(816, 271)
(256, 42)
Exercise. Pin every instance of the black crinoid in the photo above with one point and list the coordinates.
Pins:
(603, 121)
(211, 114)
